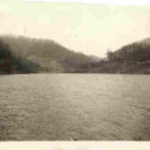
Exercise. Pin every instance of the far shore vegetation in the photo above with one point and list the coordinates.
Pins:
(20, 54)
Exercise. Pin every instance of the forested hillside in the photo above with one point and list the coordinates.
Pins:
(47, 55)
(132, 58)
(31, 55)
(11, 63)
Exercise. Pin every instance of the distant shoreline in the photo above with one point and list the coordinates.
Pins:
(47, 56)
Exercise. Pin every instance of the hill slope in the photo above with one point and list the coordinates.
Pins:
(11, 63)
(29, 55)
(47, 55)
(132, 58)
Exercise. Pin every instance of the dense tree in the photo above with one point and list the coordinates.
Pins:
(11, 63)
(47, 54)
(28, 55)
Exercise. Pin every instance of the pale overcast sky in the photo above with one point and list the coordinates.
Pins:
(88, 28)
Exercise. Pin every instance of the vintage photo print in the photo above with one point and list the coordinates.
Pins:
(74, 71)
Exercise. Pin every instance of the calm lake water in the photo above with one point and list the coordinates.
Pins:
(74, 107)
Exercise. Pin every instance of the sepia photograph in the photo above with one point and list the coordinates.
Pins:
(74, 71)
